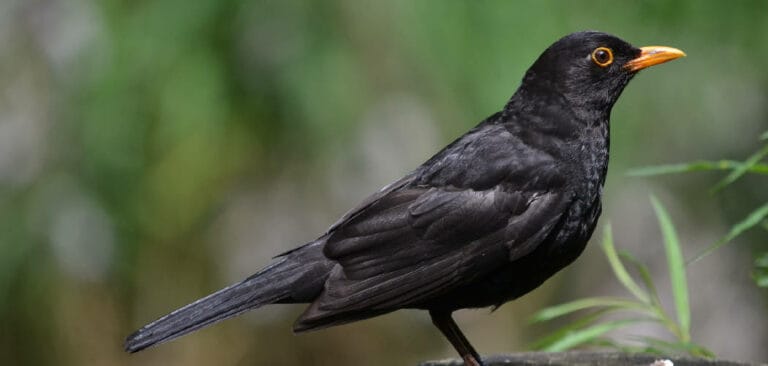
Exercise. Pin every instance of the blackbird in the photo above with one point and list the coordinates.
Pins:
(486, 220)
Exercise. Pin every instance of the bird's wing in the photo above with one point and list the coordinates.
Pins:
(415, 243)
(372, 199)
(356, 210)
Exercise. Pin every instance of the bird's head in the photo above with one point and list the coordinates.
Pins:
(590, 69)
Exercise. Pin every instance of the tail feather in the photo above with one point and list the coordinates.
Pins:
(270, 285)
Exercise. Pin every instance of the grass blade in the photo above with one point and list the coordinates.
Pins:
(676, 269)
(665, 347)
(645, 275)
(700, 351)
(697, 166)
(585, 335)
(738, 172)
(655, 308)
(608, 343)
(760, 272)
(582, 304)
(678, 347)
(560, 333)
(754, 218)
(618, 268)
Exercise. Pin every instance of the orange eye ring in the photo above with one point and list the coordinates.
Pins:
(602, 56)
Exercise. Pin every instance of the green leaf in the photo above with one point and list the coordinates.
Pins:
(754, 218)
(582, 304)
(608, 343)
(738, 172)
(762, 261)
(676, 266)
(562, 332)
(764, 136)
(645, 275)
(700, 351)
(697, 166)
(665, 346)
(584, 335)
(618, 268)
(678, 347)
(760, 273)
(655, 307)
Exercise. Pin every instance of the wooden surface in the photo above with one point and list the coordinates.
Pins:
(579, 358)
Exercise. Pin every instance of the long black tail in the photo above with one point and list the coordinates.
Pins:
(301, 271)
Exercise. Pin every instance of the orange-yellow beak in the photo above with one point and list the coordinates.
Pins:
(653, 55)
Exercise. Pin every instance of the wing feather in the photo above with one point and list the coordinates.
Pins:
(485, 200)
(429, 241)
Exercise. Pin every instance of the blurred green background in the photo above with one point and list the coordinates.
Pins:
(154, 151)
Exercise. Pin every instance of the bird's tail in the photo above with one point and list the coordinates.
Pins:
(275, 283)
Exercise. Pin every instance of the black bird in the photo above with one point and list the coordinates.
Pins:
(486, 220)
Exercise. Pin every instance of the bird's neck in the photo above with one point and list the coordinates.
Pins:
(555, 117)
(576, 134)
(540, 97)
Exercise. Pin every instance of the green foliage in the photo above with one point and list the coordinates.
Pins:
(676, 266)
(754, 164)
(761, 270)
(645, 306)
(742, 169)
(697, 166)
(754, 218)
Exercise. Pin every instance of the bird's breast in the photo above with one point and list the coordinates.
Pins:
(590, 165)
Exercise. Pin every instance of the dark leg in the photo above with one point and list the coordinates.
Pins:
(443, 321)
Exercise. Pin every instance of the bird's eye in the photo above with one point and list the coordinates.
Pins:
(602, 56)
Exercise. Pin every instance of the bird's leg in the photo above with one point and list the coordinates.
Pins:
(443, 321)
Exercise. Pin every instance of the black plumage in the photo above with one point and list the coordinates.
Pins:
(484, 221)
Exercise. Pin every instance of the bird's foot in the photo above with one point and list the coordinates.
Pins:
(470, 360)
